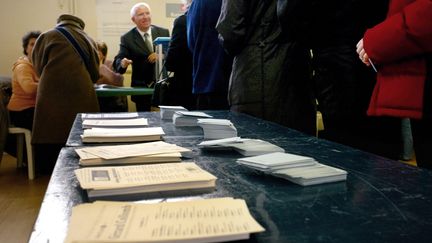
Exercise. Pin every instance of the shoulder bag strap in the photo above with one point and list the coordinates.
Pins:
(75, 44)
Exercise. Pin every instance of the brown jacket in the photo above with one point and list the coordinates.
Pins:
(66, 84)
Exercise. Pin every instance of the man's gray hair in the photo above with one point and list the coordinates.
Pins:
(137, 6)
(187, 3)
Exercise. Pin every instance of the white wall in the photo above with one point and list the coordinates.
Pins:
(20, 16)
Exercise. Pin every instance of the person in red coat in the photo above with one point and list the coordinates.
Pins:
(400, 49)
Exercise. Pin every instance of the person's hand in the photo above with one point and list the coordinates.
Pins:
(125, 62)
(152, 58)
(362, 53)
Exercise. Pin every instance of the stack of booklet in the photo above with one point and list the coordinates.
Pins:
(188, 118)
(107, 135)
(217, 128)
(302, 170)
(115, 123)
(206, 220)
(245, 146)
(167, 111)
(153, 152)
(144, 181)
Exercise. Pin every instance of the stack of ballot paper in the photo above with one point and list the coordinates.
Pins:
(205, 220)
(217, 128)
(302, 170)
(119, 115)
(115, 123)
(253, 147)
(153, 152)
(188, 118)
(167, 111)
(312, 175)
(219, 144)
(101, 135)
(144, 181)
(245, 146)
(276, 161)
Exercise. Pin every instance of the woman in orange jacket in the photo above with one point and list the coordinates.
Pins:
(24, 85)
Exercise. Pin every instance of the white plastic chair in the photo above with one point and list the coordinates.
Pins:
(26, 134)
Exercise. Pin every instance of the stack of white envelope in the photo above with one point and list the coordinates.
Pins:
(188, 118)
(301, 170)
(245, 146)
(167, 111)
(217, 128)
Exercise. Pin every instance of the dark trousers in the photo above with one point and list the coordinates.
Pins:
(422, 138)
(45, 157)
(22, 118)
(212, 101)
(377, 135)
(142, 102)
(113, 104)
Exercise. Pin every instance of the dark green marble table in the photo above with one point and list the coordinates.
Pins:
(381, 200)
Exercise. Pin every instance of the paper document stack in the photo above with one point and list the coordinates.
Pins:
(144, 181)
(115, 123)
(253, 147)
(206, 220)
(153, 152)
(101, 135)
(217, 128)
(302, 170)
(276, 161)
(119, 115)
(167, 111)
(188, 118)
(245, 146)
(219, 144)
(312, 175)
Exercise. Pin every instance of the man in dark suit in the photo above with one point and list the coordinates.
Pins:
(136, 48)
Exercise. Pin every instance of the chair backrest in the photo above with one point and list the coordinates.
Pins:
(5, 93)
(6, 89)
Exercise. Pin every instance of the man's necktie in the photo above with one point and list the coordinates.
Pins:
(148, 42)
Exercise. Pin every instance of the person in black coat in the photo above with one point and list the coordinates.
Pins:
(270, 75)
(179, 60)
(136, 48)
(343, 86)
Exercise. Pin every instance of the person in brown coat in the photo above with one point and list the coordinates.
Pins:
(66, 60)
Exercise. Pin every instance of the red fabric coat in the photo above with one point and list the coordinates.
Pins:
(398, 47)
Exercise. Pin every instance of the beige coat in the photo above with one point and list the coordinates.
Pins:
(66, 85)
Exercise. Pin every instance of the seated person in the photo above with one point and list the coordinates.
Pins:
(109, 77)
(24, 85)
